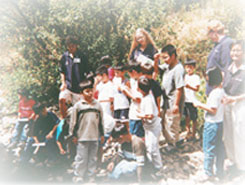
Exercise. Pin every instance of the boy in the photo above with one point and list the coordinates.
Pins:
(151, 123)
(86, 126)
(192, 84)
(135, 123)
(25, 114)
(173, 90)
(132, 156)
(73, 69)
(213, 146)
(44, 126)
(105, 90)
(121, 102)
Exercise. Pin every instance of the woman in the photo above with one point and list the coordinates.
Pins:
(143, 45)
(234, 126)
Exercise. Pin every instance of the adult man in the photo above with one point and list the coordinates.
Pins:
(73, 69)
(220, 54)
(173, 90)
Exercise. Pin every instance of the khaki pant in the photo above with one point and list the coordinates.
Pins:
(170, 126)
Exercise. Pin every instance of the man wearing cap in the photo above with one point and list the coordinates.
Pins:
(73, 69)
(220, 54)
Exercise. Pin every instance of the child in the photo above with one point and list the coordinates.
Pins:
(135, 123)
(86, 126)
(107, 62)
(44, 126)
(151, 123)
(121, 103)
(25, 114)
(105, 90)
(213, 147)
(192, 84)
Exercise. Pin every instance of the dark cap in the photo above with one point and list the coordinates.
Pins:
(190, 62)
(119, 129)
(85, 84)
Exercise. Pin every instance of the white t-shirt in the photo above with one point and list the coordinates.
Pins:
(133, 105)
(193, 81)
(120, 99)
(214, 101)
(148, 107)
(106, 92)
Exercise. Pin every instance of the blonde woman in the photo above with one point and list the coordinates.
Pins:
(142, 45)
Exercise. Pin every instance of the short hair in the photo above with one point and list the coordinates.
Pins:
(134, 66)
(85, 84)
(144, 84)
(106, 60)
(38, 107)
(71, 40)
(102, 70)
(119, 130)
(170, 49)
(216, 26)
(214, 76)
(147, 69)
(238, 42)
(120, 67)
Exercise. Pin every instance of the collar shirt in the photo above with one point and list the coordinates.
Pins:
(75, 68)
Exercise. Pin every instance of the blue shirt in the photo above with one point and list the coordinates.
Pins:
(75, 68)
(219, 57)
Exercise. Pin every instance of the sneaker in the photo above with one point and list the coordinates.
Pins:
(12, 145)
(205, 178)
(77, 179)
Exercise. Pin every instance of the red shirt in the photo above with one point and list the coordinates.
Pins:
(25, 108)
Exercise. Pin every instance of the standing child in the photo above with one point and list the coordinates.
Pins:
(192, 84)
(135, 123)
(213, 146)
(86, 126)
(151, 123)
(121, 102)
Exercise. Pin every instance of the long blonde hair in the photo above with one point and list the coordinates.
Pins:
(134, 44)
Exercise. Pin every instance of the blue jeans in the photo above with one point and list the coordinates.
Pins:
(213, 148)
(136, 128)
(19, 133)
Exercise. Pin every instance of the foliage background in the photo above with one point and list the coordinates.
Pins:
(33, 31)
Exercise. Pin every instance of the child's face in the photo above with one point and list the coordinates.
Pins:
(166, 58)
(236, 53)
(105, 78)
(88, 94)
(119, 73)
(189, 69)
(72, 48)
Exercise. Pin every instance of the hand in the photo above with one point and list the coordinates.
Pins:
(175, 109)
(62, 152)
(157, 56)
(49, 136)
(137, 100)
(187, 86)
(227, 100)
(102, 139)
(110, 167)
(63, 86)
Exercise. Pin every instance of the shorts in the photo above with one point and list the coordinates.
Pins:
(121, 115)
(69, 96)
(136, 128)
(190, 111)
